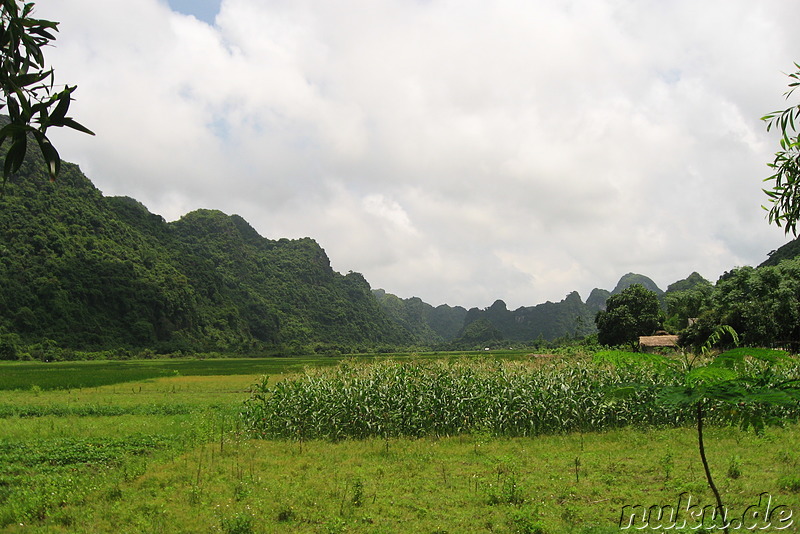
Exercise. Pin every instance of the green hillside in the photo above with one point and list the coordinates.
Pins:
(424, 323)
(87, 272)
(692, 282)
(458, 328)
(788, 251)
(632, 278)
(83, 272)
(548, 321)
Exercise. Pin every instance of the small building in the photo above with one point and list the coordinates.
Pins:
(660, 341)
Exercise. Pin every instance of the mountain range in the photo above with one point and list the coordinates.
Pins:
(89, 272)
(571, 317)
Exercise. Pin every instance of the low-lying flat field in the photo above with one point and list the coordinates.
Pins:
(168, 453)
(87, 374)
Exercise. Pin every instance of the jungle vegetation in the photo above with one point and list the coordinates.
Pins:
(81, 273)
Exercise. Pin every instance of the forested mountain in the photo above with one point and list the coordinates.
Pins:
(90, 272)
(426, 324)
(86, 272)
(548, 321)
(569, 318)
(597, 299)
(788, 251)
(456, 327)
(691, 282)
(495, 325)
(632, 278)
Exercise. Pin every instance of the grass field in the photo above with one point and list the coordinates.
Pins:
(167, 452)
(88, 374)
(79, 375)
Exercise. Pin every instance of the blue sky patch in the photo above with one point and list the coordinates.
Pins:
(205, 10)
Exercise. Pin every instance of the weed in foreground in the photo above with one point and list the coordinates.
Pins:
(735, 467)
(525, 520)
(790, 483)
(238, 523)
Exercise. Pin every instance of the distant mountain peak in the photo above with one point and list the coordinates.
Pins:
(690, 282)
(632, 278)
(498, 306)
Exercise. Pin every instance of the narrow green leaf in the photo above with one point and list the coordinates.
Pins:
(70, 123)
(58, 114)
(51, 157)
(15, 155)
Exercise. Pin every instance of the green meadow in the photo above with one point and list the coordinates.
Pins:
(168, 446)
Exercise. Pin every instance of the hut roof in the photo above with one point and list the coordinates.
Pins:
(658, 341)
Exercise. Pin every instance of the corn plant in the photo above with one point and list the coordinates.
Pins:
(413, 399)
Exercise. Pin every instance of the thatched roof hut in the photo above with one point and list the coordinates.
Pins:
(647, 343)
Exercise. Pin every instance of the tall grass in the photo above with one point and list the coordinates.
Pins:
(446, 398)
(391, 399)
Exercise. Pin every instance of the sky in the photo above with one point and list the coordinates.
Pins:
(457, 151)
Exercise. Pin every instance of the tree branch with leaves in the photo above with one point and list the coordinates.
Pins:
(27, 88)
(784, 195)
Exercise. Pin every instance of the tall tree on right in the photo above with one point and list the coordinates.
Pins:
(784, 195)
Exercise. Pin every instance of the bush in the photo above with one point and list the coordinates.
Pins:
(9, 346)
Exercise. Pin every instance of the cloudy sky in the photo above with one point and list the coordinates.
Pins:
(460, 151)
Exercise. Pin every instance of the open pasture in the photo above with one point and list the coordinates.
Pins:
(172, 454)
(89, 374)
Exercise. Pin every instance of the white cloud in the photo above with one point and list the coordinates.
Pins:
(456, 151)
(389, 211)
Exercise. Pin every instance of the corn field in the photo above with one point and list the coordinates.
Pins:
(446, 398)
(391, 399)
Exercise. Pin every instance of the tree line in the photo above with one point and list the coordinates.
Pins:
(761, 304)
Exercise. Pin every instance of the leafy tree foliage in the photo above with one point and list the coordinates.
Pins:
(685, 300)
(744, 383)
(632, 313)
(762, 305)
(27, 90)
(784, 195)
